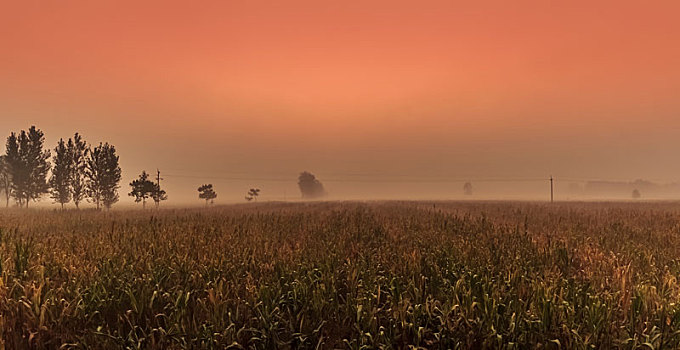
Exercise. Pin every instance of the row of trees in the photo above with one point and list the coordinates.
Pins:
(310, 188)
(143, 189)
(79, 172)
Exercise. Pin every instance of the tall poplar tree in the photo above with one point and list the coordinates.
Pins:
(78, 180)
(60, 182)
(17, 168)
(28, 164)
(103, 175)
(5, 179)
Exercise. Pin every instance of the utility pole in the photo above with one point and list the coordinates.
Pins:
(158, 183)
(552, 198)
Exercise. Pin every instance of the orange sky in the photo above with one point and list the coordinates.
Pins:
(265, 89)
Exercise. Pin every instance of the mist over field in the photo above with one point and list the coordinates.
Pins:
(381, 100)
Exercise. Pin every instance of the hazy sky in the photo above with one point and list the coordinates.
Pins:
(218, 91)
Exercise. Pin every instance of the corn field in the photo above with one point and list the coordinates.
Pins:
(382, 275)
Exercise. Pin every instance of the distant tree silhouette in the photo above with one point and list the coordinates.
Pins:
(636, 194)
(310, 187)
(28, 164)
(206, 192)
(158, 194)
(467, 189)
(60, 182)
(142, 188)
(79, 152)
(17, 168)
(252, 194)
(103, 175)
(5, 180)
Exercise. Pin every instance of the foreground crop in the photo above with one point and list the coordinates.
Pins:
(343, 275)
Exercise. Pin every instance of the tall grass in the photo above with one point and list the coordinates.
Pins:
(343, 275)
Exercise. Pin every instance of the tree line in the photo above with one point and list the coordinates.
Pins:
(78, 171)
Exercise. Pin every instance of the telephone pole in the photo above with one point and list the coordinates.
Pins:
(552, 198)
(158, 188)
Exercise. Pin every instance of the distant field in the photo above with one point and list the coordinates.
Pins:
(344, 275)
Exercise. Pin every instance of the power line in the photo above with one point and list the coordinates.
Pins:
(396, 178)
(374, 180)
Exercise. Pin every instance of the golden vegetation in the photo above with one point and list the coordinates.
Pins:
(344, 275)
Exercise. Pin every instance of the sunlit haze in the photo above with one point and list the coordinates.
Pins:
(379, 99)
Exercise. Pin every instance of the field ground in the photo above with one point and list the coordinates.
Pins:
(344, 275)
